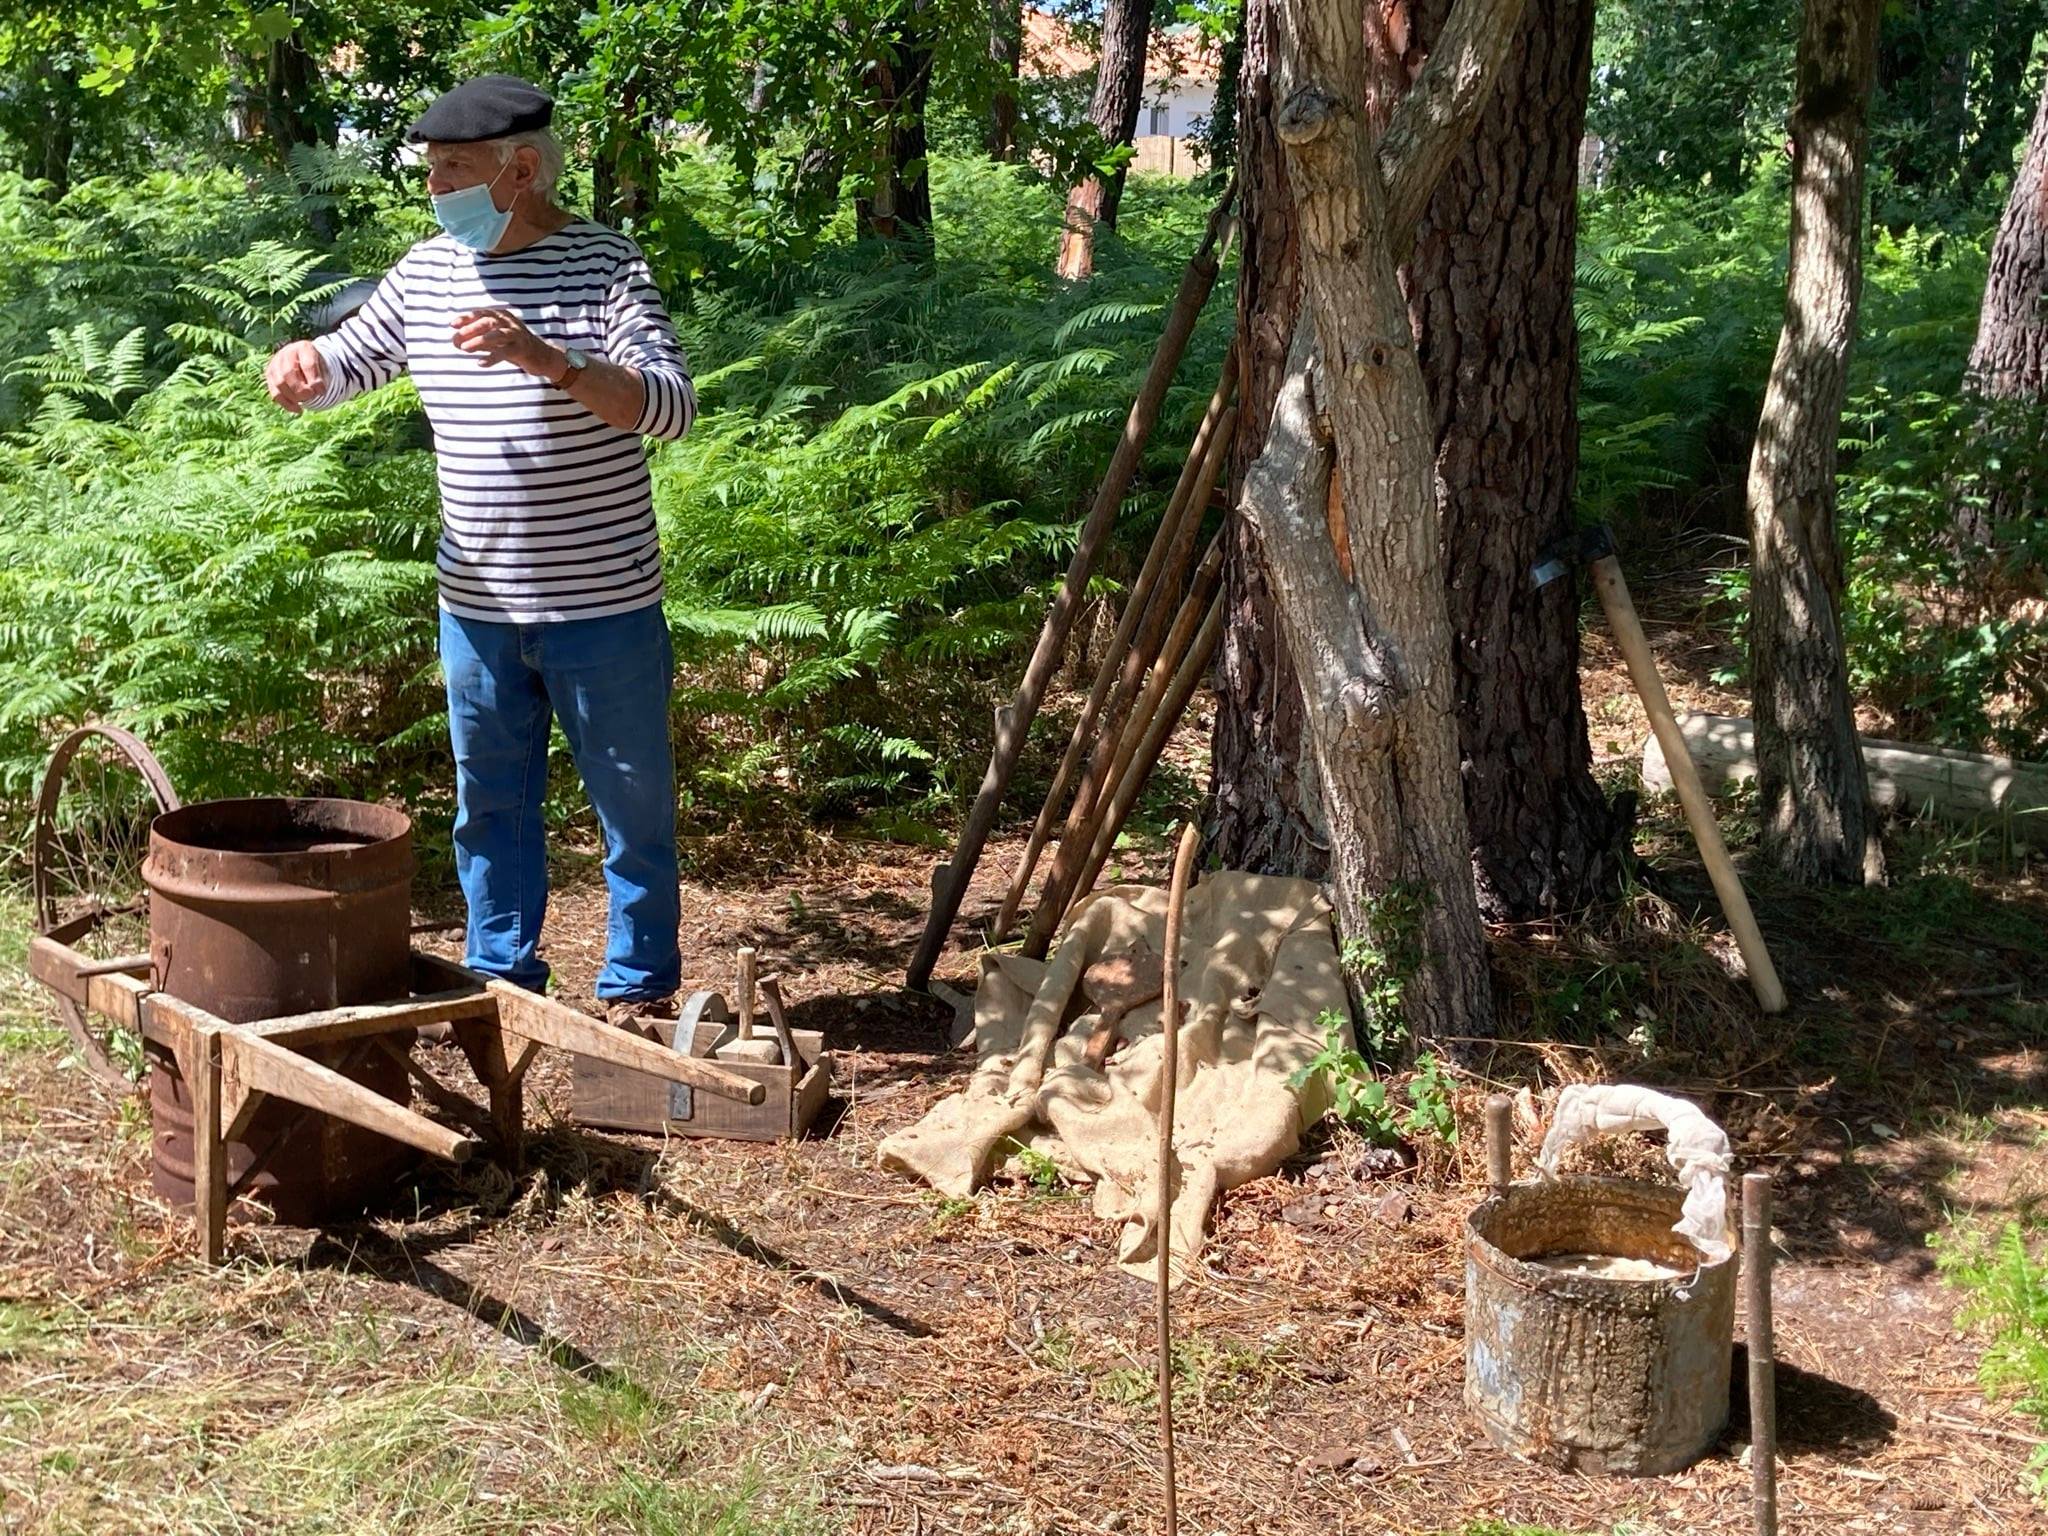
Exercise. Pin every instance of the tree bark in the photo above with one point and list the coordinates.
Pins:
(1265, 810)
(2009, 363)
(52, 160)
(898, 204)
(1119, 88)
(2008, 371)
(1490, 293)
(625, 172)
(1006, 52)
(1374, 653)
(1817, 822)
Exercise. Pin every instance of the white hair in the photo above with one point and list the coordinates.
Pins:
(543, 143)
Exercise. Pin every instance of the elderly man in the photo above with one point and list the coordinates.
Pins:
(543, 356)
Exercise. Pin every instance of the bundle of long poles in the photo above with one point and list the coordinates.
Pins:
(949, 883)
(1162, 633)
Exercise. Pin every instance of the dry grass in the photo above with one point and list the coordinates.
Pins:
(718, 1338)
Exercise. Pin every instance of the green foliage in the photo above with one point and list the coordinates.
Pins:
(1384, 960)
(2006, 1279)
(1359, 1098)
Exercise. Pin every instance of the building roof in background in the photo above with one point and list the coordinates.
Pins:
(1173, 53)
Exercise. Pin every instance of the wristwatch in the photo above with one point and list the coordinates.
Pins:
(578, 361)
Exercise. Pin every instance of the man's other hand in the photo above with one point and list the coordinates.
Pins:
(296, 375)
(499, 336)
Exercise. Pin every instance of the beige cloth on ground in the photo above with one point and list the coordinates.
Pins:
(1258, 969)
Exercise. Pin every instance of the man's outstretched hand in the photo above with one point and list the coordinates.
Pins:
(296, 375)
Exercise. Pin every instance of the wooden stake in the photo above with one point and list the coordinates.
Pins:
(1169, 1081)
(1763, 1364)
(1500, 1147)
(1699, 812)
(209, 1150)
(949, 885)
(1160, 573)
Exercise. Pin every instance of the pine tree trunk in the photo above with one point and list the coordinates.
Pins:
(1490, 291)
(1265, 809)
(1817, 822)
(1006, 52)
(898, 206)
(52, 160)
(1119, 88)
(625, 171)
(2009, 363)
(1373, 652)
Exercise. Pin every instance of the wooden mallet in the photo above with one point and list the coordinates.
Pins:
(1595, 548)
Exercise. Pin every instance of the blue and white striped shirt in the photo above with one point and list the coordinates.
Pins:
(547, 513)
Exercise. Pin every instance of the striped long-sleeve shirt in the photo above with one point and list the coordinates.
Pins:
(547, 513)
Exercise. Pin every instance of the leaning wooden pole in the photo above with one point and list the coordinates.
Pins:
(949, 885)
(1763, 1363)
(1119, 745)
(1169, 1081)
(1190, 497)
(1185, 679)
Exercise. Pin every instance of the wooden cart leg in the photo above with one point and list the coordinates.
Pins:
(209, 1150)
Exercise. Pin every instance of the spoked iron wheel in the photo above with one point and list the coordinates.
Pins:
(100, 793)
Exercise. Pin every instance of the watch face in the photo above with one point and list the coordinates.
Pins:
(578, 358)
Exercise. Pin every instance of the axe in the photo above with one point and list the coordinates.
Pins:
(1594, 547)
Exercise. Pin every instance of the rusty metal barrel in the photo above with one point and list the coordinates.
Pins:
(271, 906)
(1596, 1338)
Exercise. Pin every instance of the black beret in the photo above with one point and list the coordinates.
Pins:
(488, 107)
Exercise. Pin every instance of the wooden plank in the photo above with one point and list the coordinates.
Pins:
(209, 1149)
(264, 1066)
(439, 1093)
(332, 1024)
(112, 995)
(529, 1016)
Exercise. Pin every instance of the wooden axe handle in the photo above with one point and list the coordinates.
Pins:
(1685, 778)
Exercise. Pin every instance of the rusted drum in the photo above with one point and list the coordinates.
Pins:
(265, 907)
(1624, 1371)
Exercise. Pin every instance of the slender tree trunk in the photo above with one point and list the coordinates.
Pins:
(1266, 813)
(52, 161)
(1119, 88)
(625, 172)
(1374, 651)
(1490, 290)
(1817, 820)
(1006, 52)
(898, 206)
(293, 113)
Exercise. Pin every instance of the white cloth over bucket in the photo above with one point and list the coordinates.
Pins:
(1258, 969)
(1696, 1147)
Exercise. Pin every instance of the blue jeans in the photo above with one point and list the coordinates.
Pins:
(608, 681)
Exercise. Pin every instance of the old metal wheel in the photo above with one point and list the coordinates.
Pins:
(100, 793)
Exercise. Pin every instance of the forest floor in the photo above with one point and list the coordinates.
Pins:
(715, 1337)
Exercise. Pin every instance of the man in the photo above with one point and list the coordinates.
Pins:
(543, 357)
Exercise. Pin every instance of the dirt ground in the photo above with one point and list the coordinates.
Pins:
(717, 1337)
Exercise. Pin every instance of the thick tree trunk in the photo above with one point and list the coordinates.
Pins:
(1119, 88)
(898, 207)
(1490, 289)
(2010, 359)
(1374, 652)
(2008, 369)
(1265, 813)
(1817, 821)
(1006, 52)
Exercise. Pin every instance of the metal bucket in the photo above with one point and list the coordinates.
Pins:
(1586, 1371)
(265, 907)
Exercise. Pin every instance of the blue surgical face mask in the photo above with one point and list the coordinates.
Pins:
(471, 217)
